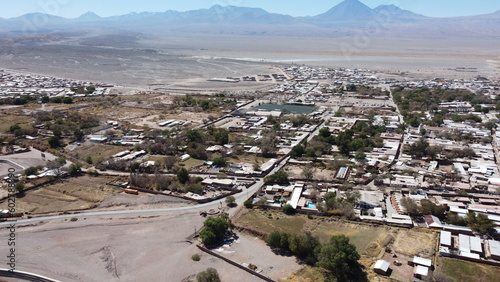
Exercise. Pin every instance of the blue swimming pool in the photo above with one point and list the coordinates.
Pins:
(311, 206)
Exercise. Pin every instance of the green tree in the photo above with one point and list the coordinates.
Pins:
(230, 201)
(480, 223)
(57, 100)
(428, 207)
(340, 259)
(19, 186)
(183, 175)
(411, 206)
(195, 188)
(90, 89)
(278, 240)
(305, 247)
(194, 135)
(56, 165)
(279, 177)
(214, 230)
(54, 142)
(419, 148)
(297, 151)
(360, 155)
(78, 134)
(88, 160)
(30, 171)
(74, 169)
(209, 275)
(288, 209)
(248, 204)
(219, 162)
(454, 219)
(14, 128)
(221, 136)
(325, 132)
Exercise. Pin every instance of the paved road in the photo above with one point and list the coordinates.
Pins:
(240, 199)
(401, 120)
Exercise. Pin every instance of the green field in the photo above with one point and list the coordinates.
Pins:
(468, 271)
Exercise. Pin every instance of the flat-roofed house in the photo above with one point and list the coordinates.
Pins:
(445, 239)
(476, 246)
(464, 243)
(420, 261)
(494, 249)
(421, 271)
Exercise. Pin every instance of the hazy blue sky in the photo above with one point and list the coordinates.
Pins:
(74, 8)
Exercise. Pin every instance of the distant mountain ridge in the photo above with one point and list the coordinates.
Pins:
(89, 16)
(219, 19)
(348, 10)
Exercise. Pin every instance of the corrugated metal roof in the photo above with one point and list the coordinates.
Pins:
(421, 270)
(422, 261)
(464, 243)
(445, 238)
(494, 247)
(382, 264)
(475, 244)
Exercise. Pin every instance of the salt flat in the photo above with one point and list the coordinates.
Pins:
(188, 62)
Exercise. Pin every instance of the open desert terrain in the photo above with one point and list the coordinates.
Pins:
(166, 64)
(157, 248)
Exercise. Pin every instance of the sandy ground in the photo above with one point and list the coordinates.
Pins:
(297, 171)
(202, 58)
(414, 243)
(142, 201)
(134, 249)
(23, 160)
(65, 195)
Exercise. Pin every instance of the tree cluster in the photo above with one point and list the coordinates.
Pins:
(19, 131)
(480, 223)
(340, 206)
(209, 275)
(413, 102)
(362, 137)
(337, 257)
(215, 229)
(22, 100)
(204, 103)
(157, 182)
(280, 177)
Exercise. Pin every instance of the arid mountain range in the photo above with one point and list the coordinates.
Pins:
(349, 18)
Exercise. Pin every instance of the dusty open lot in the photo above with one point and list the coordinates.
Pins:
(134, 249)
(24, 160)
(415, 243)
(66, 195)
(322, 174)
(122, 201)
(98, 152)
